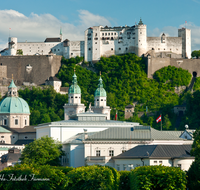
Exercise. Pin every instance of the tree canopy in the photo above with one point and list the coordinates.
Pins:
(42, 151)
(196, 54)
(125, 81)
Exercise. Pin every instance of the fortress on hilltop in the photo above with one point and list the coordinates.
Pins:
(106, 41)
(42, 60)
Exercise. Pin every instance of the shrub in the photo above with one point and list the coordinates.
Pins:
(116, 176)
(124, 183)
(25, 177)
(157, 177)
(91, 178)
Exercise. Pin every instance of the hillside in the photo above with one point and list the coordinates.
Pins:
(125, 80)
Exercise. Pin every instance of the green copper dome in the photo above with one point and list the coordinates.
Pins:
(14, 105)
(74, 88)
(100, 91)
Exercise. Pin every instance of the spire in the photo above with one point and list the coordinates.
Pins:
(60, 31)
(74, 77)
(12, 89)
(100, 91)
(12, 84)
(140, 22)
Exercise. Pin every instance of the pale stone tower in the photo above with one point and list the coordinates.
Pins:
(186, 42)
(12, 46)
(74, 105)
(141, 38)
(100, 99)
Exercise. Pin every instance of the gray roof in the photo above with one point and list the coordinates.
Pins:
(135, 133)
(23, 141)
(129, 106)
(52, 40)
(78, 138)
(53, 79)
(88, 124)
(157, 151)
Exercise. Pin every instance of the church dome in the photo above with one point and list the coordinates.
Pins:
(100, 91)
(74, 88)
(14, 105)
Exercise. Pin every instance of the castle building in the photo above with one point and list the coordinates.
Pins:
(106, 41)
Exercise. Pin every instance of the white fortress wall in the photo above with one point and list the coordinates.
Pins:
(171, 44)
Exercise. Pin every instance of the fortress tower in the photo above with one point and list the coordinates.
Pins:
(141, 38)
(186, 42)
(74, 105)
(12, 46)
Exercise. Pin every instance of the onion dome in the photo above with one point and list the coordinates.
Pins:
(100, 91)
(74, 88)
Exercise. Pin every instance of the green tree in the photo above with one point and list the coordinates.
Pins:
(42, 151)
(194, 171)
(19, 52)
(196, 54)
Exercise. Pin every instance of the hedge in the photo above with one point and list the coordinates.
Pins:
(157, 177)
(124, 183)
(91, 178)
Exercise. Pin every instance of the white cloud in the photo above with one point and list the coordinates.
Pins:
(37, 27)
(173, 31)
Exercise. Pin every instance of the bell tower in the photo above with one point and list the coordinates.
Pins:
(74, 105)
(100, 99)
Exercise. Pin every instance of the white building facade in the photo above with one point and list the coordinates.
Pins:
(106, 41)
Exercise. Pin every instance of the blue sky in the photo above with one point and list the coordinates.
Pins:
(36, 20)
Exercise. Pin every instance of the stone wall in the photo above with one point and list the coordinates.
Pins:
(154, 64)
(32, 69)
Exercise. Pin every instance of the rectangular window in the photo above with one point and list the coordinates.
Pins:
(102, 34)
(5, 121)
(123, 151)
(98, 153)
(115, 33)
(118, 167)
(111, 152)
(155, 162)
(112, 49)
(108, 34)
(179, 165)
(119, 48)
(16, 121)
(160, 162)
(71, 53)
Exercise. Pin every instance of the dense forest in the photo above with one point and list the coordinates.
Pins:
(125, 80)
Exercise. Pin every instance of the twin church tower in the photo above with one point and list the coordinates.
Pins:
(75, 106)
